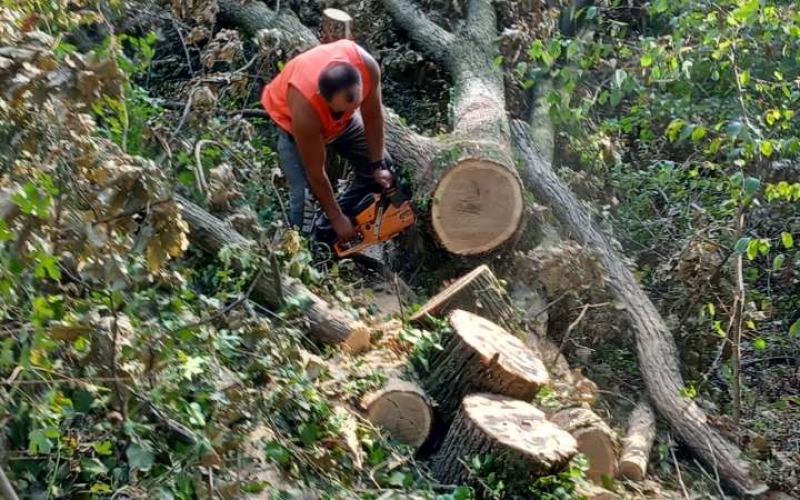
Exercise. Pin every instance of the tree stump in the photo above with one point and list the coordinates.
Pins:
(481, 357)
(637, 443)
(521, 442)
(477, 292)
(403, 409)
(336, 25)
(595, 439)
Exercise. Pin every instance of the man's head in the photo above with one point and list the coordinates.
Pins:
(341, 86)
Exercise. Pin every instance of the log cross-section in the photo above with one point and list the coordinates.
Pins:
(513, 433)
(481, 357)
(476, 193)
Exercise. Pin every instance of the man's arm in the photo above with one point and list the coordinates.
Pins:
(372, 110)
(307, 132)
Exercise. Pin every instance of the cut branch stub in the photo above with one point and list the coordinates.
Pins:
(482, 357)
(515, 434)
(403, 409)
(595, 439)
(477, 292)
(336, 25)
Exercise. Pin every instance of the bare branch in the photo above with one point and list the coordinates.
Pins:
(431, 38)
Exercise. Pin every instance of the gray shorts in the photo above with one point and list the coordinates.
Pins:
(351, 144)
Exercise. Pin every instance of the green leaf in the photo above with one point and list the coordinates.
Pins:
(766, 148)
(100, 488)
(741, 246)
(751, 186)
(103, 448)
(764, 247)
(397, 479)
(744, 78)
(93, 467)
(777, 262)
(497, 62)
(619, 77)
(140, 457)
(747, 12)
(277, 453)
(759, 344)
(646, 61)
(752, 249)
(698, 134)
(712, 311)
(591, 12)
(38, 443)
(794, 330)
(787, 240)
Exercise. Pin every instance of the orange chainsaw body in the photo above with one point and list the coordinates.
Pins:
(381, 217)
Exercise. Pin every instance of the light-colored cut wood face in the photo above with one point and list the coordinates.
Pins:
(337, 15)
(519, 425)
(477, 207)
(405, 415)
(491, 340)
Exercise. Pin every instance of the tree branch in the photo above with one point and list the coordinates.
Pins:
(432, 38)
(481, 21)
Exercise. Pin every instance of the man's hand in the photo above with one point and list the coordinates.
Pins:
(343, 228)
(383, 177)
(382, 174)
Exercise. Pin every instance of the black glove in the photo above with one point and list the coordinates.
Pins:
(384, 164)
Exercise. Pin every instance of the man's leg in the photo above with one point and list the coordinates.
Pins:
(301, 200)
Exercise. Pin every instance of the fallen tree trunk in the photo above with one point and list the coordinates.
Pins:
(481, 357)
(637, 443)
(478, 292)
(325, 323)
(515, 433)
(657, 354)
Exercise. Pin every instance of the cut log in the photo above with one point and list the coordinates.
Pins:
(403, 409)
(253, 16)
(336, 25)
(473, 183)
(657, 353)
(637, 443)
(595, 440)
(481, 357)
(478, 292)
(325, 323)
(515, 433)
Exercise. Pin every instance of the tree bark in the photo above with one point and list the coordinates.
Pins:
(478, 292)
(253, 16)
(637, 443)
(516, 434)
(403, 409)
(657, 353)
(481, 357)
(472, 182)
(595, 440)
(325, 323)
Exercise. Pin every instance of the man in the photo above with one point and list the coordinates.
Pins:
(329, 95)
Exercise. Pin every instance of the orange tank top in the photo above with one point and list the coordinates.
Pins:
(302, 73)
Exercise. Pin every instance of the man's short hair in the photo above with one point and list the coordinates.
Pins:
(337, 77)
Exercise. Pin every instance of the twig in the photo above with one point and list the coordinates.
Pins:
(716, 473)
(572, 327)
(736, 324)
(677, 467)
(202, 185)
(185, 48)
(551, 304)
(6, 490)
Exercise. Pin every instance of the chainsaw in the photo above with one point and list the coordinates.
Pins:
(379, 218)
